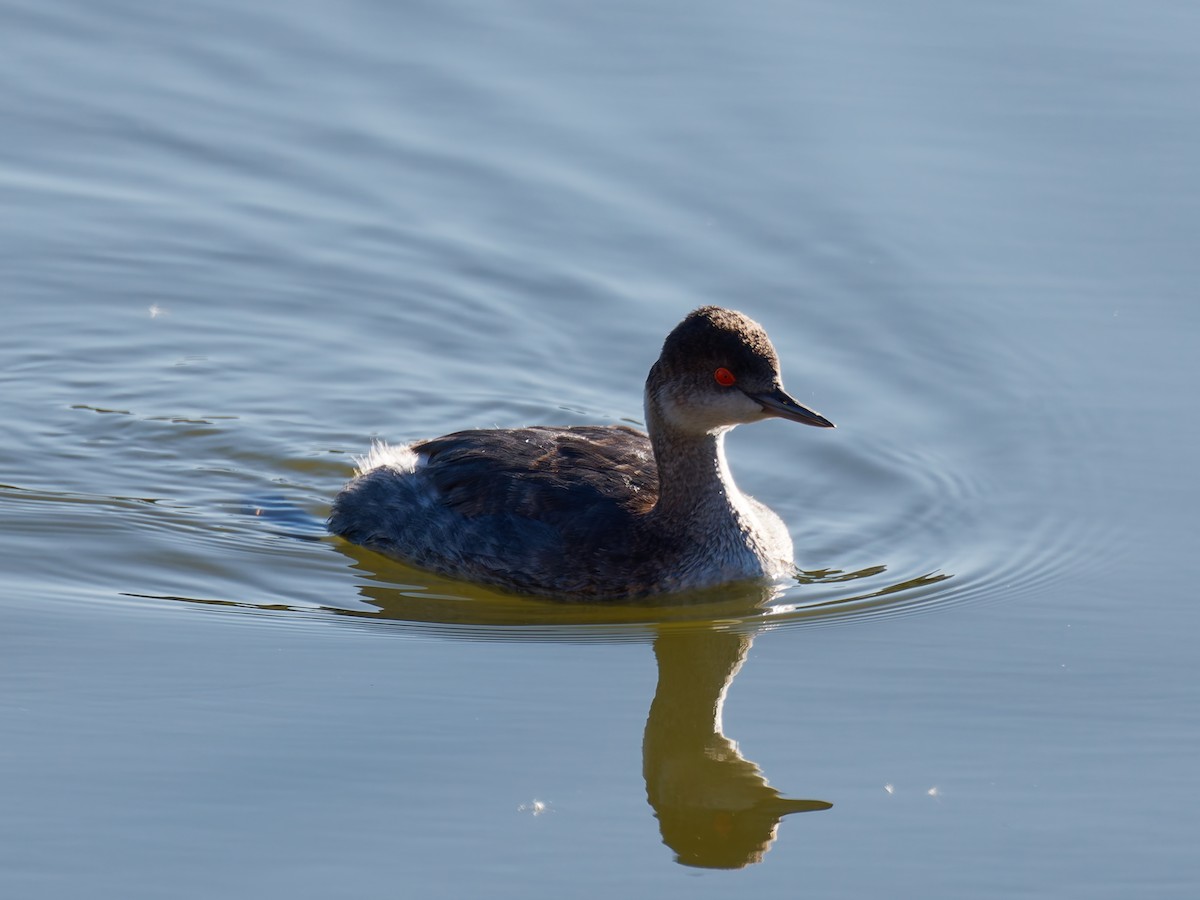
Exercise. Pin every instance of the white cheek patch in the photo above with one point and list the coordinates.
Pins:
(728, 409)
(752, 410)
(706, 411)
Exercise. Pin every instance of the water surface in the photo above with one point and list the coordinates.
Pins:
(239, 244)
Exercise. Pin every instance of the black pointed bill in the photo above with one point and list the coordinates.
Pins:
(778, 403)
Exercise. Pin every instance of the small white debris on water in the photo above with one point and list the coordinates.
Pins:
(534, 807)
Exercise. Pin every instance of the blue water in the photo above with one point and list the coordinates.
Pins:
(239, 243)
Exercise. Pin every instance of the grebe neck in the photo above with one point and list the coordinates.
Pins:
(694, 481)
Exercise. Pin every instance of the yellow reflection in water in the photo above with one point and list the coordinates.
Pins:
(715, 808)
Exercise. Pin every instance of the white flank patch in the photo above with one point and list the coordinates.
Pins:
(383, 455)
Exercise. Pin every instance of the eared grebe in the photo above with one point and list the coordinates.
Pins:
(594, 512)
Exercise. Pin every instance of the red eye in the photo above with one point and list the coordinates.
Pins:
(724, 377)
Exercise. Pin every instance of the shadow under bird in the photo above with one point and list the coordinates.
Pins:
(595, 512)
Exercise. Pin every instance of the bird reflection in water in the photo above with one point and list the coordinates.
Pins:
(715, 808)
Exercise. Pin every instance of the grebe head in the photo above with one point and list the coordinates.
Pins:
(718, 369)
